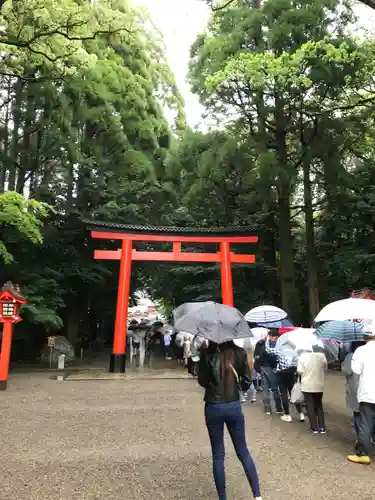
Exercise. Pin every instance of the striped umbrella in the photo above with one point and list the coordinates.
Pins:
(265, 314)
(341, 331)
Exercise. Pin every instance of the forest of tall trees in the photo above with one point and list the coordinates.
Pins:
(86, 102)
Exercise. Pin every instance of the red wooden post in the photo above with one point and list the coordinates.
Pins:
(226, 274)
(117, 363)
(5, 353)
(10, 303)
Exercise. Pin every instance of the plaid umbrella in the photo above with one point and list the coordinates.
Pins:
(341, 331)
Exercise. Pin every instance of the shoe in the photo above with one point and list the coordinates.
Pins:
(253, 400)
(322, 431)
(286, 418)
(359, 459)
(301, 417)
(267, 412)
(314, 431)
(279, 412)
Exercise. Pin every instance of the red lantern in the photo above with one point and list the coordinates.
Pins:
(11, 301)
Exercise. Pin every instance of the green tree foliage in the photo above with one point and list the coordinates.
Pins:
(282, 74)
(84, 90)
(20, 217)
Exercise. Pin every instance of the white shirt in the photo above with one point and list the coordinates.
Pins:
(363, 364)
(167, 339)
(312, 367)
(187, 351)
(136, 337)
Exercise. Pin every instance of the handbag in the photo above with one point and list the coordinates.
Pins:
(296, 395)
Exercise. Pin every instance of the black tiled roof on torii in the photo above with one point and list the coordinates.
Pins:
(96, 225)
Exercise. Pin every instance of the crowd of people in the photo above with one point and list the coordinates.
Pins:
(227, 372)
(232, 376)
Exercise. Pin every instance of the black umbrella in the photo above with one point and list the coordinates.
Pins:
(215, 322)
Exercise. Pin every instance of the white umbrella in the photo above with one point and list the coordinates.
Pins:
(298, 336)
(347, 309)
(304, 340)
(260, 332)
(265, 314)
(181, 337)
(249, 344)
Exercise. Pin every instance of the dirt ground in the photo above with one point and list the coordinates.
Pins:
(146, 440)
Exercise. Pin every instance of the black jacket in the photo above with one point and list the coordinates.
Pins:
(218, 390)
(262, 358)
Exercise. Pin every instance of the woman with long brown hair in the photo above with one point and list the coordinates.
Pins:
(223, 373)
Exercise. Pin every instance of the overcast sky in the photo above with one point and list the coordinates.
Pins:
(180, 21)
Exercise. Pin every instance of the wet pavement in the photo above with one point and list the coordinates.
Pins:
(141, 439)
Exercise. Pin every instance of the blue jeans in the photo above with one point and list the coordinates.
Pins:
(270, 381)
(230, 414)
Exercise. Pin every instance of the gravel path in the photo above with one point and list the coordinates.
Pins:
(145, 440)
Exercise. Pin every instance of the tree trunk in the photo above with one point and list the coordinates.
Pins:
(72, 323)
(289, 292)
(312, 271)
(14, 147)
(70, 186)
(26, 160)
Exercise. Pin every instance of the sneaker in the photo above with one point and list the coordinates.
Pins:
(301, 417)
(359, 459)
(286, 418)
(314, 431)
(267, 412)
(322, 431)
(254, 399)
(279, 412)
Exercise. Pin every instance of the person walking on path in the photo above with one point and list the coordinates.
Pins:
(251, 393)
(312, 367)
(351, 389)
(363, 365)
(287, 375)
(167, 346)
(265, 362)
(223, 373)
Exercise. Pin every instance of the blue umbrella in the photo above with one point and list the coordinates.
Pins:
(341, 331)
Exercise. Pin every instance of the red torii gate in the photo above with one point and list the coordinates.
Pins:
(128, 234)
